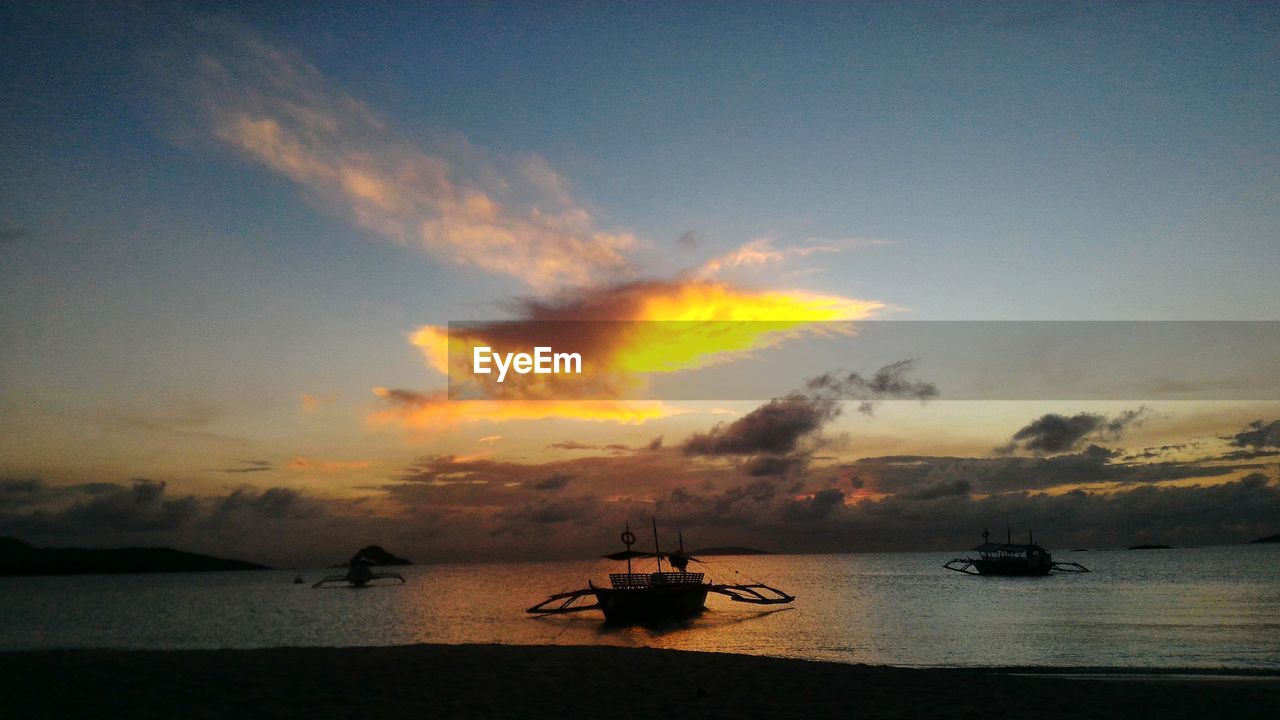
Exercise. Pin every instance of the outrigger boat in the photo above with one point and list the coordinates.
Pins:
(1011, 559)
(359, 575)
(638, 597)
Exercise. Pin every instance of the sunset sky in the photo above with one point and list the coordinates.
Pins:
(231, 238)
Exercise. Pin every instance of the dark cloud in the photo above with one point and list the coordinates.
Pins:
(912, 476)
(1053, 433)
(139, 507)
(778, 438)
(775, 427)
(249, 466)
(1249, 454)
(817, 507)
(891, 382)
(272, 503)
(690, 240)
(765, 465)
(572, 445)
(554, 482)
(942, 488)
(1258, 435)
(655, 444)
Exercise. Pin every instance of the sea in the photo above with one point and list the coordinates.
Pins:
(1206, 607)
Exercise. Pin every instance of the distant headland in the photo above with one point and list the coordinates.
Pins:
(1267, 539)
(20, 558)
(730, 550)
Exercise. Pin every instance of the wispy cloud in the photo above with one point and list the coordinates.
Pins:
(510, 216)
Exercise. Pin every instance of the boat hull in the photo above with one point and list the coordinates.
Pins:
(991, 567)
(648, 604)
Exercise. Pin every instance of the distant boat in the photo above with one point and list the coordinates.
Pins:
(1011, 559)
(359, 573)
(638, 597)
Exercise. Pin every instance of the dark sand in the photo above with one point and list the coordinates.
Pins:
(496, 681)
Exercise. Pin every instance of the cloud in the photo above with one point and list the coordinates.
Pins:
(421, 412)
(889, 382)
(916, 477)
(249, 466)
(817, 507)
(776, 427)
(1053, 433)
(624, 334)
(554, 482)
(757, 254)
(312, 403)
(572, 445)
(774, 432)
(509, 216)
(690, 239)
(1258, 435)
(101, 508)
(318, 465)
(272, 504)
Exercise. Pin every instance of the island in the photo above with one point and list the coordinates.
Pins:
(1267, 539)
(20, 558)
(730, 550)
(374, 555)
(1151, 547)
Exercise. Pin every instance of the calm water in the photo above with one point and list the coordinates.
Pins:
(1203, 607)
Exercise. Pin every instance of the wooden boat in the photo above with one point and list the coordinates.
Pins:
(359, 574)
(1011, 559)
(661, 595)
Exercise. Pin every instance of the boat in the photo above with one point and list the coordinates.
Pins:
(655, 596)
(359, 574)
(1011, 559)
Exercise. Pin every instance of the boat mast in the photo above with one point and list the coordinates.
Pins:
(626, 535)
(657, 551)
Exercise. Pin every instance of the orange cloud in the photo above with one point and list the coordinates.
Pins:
(435, 411)
(311, 403)
(632, 331)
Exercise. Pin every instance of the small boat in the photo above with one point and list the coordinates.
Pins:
(1011, 559)
(359, 575)
(661, 595)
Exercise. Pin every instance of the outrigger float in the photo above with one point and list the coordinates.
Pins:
(1011, 559)
(639, 597)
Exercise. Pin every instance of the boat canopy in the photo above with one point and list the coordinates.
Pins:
(1006, 547)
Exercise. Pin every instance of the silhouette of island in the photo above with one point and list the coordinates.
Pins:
(730, 550)
(20, 558)
(1267, 539)
(375, 555)
(1151, 547)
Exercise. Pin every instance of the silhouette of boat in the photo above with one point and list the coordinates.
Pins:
(661, 595)
(359, 573)
(1011, 559)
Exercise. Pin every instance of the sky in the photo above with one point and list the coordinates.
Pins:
(232, 239)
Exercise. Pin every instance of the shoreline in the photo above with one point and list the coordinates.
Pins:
(533, 681)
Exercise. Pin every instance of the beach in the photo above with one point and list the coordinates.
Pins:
(508, 681)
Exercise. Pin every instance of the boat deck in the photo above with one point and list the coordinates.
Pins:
(638, 581)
